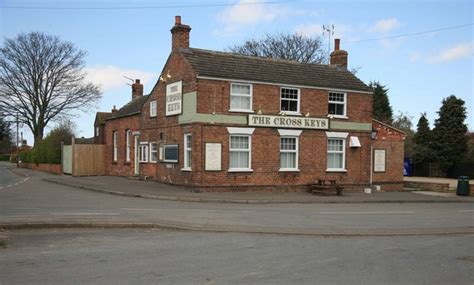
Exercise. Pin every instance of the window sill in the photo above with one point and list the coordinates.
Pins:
(186, 169)
(241, 111)
(169, 161)
(153, 161)
(338, 117)
(153, 116)
(336, 170)
(240, 170)
(288, 170)
(290, 113)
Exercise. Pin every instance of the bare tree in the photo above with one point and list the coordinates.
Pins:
(284, 46)
(42, 79)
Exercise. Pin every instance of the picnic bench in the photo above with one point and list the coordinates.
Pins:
(326, 187)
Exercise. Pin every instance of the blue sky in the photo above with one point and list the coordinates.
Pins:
(419, 70)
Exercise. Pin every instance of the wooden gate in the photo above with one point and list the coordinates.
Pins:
(83, 159)
(67, 159)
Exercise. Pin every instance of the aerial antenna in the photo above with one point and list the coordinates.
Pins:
(129, 79)
(329, 30)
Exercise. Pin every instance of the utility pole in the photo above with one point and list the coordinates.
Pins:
(329, 29)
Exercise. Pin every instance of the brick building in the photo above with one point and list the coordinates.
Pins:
(220, 121)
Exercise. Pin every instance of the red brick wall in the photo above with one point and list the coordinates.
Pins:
(121, 167)
(392, 141)
(214, 96)
(46, 167)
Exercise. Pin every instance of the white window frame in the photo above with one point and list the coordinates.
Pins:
(285, 133)
(188, 152)
(153, 108)
(115, 145)
(343, 116)
(128, 138)
(250, 110)
(164, 153)
(298, 110)
(143, 152)
(337, 136)
(249, 151)
(97, 131)
(296, 151)
(151, 151)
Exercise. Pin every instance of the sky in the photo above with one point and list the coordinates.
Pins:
(432, 58)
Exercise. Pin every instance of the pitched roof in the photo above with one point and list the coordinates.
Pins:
(131, 108)
(100, 117)
(233, 66)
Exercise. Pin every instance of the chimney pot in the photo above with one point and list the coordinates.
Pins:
(177, 20)
(137, 81)
(337, 43)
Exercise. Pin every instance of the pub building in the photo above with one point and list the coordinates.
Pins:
(218, 121)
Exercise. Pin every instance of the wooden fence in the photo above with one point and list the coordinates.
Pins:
(87, 159)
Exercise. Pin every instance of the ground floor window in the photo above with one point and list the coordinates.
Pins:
(336, 154)
(143, 155)
(171, 153)
(288, 153)
(153, 152)
(115, 141)
(240, 146)
(187, 151)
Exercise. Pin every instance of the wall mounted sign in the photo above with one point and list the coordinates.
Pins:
(174, 98)
(379, 160)
(213, 157)
(288, 122)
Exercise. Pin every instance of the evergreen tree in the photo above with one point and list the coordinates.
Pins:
(382, 110)
(422, 142)
(403, 122)
(449, 133)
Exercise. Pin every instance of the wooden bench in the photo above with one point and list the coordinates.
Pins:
(326, 187)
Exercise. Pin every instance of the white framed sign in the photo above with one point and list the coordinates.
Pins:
(213, 157)
(174, 98)
(379, 160)
(288, 122)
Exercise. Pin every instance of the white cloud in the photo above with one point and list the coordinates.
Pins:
(247, 13)
(385, 25)
(414, 57)
(111, 77)
(459, 51)
(310, 29)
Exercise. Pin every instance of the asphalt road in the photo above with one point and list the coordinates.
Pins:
(7, 178)
(172, 257)
(37, 200)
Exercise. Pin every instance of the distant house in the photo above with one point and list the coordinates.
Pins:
(220, 121)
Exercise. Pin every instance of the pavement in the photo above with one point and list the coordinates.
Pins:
(38, 203)
(153, 190)
(453, 183)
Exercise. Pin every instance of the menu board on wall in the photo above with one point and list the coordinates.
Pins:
(213, 157)
(379, 160)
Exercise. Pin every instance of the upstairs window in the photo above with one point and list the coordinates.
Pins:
(337, 104)
(241, 97)
(290, 100)
(153, 109)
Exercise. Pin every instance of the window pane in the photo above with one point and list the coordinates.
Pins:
(335, 160)
(288, 160)
(234, 102)
(339, 109)
(234, 159)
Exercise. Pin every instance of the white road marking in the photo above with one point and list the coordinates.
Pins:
(465, 211)
(84, 214)
(367, 213)
(186, 210)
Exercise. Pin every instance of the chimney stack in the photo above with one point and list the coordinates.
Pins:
(137, 89)
(338, 57)
(180, 35)
(114, 109)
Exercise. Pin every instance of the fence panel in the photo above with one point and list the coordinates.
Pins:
(88, 160)
(67, 159)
